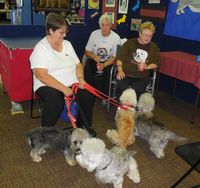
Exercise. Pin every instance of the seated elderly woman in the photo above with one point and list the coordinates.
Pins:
(136, 57)
(101, 50)
(55, 68)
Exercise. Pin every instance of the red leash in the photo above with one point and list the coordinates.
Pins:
(102, 96)
(94, 91)
(68, 101)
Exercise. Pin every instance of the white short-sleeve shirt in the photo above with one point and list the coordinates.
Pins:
(60, 65)
(105, 47)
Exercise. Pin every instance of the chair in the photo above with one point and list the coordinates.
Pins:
(35, 98)
(64, 115)
(191, 154)
(113, 84)
(32, 106)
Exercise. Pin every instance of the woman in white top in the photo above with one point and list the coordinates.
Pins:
(101, 50)
(56, 67)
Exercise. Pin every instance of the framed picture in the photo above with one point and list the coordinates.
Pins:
(112, 15)
(135, 24)
(154, 1)
(93, 4)
(123, 6)
(110, 3)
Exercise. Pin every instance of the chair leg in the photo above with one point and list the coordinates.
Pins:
(195, 107)
(32, 106)
(111, 86)
(186, 174)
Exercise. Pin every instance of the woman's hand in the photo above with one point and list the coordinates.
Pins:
(81, 83)
(142, 66)
(68, 91)
(120, 75)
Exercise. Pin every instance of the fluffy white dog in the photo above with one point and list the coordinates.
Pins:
(110, 165)
(125, 120)
(147, 128)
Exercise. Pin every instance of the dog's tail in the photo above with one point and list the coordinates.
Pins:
(177, 138)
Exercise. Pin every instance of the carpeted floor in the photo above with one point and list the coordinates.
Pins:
(18, 171)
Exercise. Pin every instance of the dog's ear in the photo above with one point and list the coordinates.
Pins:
(146, 102)
(92, 147)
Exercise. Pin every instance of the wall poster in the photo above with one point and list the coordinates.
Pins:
(123, 6)
(110, 3)
(110, 7)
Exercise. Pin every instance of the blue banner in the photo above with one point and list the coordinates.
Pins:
(182, 23)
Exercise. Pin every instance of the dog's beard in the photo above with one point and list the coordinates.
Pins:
(90, 166)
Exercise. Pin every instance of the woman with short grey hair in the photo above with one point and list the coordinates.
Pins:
(101, 51)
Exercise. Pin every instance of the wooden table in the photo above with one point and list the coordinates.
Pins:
(182, 66)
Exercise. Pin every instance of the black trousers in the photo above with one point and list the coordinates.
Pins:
(53, 103)
(138, 84)
(92, 78)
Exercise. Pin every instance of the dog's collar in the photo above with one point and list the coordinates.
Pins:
(131, 109)
(105, 167)
(126, 106)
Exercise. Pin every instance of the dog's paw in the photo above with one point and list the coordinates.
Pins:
(71, 162)
(111, 133)
(108, 133)
(160, 154)
(42, 152)
(136, 179)
(37, 159)
(134, 176)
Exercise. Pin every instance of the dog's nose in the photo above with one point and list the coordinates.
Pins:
(137, 108)
(78, 151)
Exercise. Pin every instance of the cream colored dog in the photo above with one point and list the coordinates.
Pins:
(110, 166)
(125, 120)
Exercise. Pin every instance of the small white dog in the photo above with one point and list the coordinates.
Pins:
(125, 120)
(154, 132)
(110, 165)
(61, 139)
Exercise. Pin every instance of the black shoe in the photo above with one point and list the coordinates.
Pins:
(91, 132)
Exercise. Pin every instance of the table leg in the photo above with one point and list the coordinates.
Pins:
(174, 89)
(157, 84)
(195, 107)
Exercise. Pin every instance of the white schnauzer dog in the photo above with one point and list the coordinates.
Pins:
(110, 165)
(61, 139)
(154, 132)
(125, 120)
